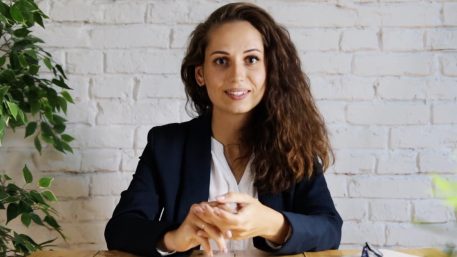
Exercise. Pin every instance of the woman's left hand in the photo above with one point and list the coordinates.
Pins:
(250, 219)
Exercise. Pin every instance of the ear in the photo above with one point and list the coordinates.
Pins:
(199, 75)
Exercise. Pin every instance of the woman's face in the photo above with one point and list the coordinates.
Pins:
(234, 70)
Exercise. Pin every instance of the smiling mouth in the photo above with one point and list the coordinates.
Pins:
(237, 92)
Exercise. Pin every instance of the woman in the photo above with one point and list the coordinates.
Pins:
(248, 171)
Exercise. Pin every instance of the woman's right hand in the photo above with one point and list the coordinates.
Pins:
(193, 232)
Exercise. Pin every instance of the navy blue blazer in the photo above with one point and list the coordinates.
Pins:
(174, 172)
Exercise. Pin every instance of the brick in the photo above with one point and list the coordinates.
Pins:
(411, 15)
(416, 64)
(444, 113)
(449, 64)
(68, 36)
(352, 209)
(313, 15)
(166, 86)
(423, 137)
(357, 232)
(327, 63)
(82, 112)
(388, 113)
(337, 185)
(85, 62)
(130, 159)
(358, 137)
(129, 36)
(449, 11)
(353, 162)
(109, 183)
(398, 162)
(434, 161)
(431, 211)
(359, 39)
(199, 10)
(112, 86)
(131, 12)
(87, 232)
(180, 35)
(143, 61)
(402, 39)
(333, 112)
(51, 160)
(395, 187)
(12, 161)
(390, 210)
(346, 88)
(442, 88)
(75, 10)
(71, 186)
(79, 86)
(442, 39)
(96, 208)
(100, 160)
(369, 16)
(159, 12)
(315, 39)
(103, 136)
(16, 138)
(141, 136)
(424, 235)
(402, 88)
(141, 112)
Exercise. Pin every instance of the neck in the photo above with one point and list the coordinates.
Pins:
(227, 127)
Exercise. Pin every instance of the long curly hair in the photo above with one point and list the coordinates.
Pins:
(286, 133)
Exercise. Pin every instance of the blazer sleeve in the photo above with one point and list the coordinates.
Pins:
(135, 225)
(315, 223)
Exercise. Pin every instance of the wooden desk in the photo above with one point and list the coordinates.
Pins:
(424, 252)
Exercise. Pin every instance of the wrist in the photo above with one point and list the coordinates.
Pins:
(278, 229)
(166, 244)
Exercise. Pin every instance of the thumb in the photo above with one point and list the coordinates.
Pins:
(234, 197)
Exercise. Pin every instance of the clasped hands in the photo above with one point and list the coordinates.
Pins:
(234, 216)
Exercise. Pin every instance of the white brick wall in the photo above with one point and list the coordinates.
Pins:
(384, 73)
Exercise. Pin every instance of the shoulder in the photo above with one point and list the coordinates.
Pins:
(173, 131)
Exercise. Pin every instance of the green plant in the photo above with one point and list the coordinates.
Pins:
(23, 92)
(33, 93)
(30, 205)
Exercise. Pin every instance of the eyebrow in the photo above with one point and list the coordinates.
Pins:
(247, 51)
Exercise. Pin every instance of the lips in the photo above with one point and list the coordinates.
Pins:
(237, 93)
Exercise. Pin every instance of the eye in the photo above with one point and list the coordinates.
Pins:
(252, 59)
(220, 61)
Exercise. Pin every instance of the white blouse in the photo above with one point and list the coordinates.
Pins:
(223, 181)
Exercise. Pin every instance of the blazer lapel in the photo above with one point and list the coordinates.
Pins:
(196, 167)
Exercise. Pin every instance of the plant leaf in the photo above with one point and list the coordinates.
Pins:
(30, 129)
(48, 195)
(36, 219)
(51, 221)
(11, 212)
(26, 219)
(27, 174)
(13, 108)
(37, 144)
(45, 182)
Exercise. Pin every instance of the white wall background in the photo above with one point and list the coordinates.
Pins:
(384, 73)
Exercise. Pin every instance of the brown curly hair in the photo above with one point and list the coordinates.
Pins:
(286, 131)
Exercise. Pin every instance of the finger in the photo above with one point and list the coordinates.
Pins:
(204, 243)
(214, 233)
(235, 197)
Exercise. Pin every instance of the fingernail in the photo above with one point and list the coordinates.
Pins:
(220, 197)
(198, 210)
(228, 233)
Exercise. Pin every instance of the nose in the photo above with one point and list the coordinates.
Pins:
(237, 72)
